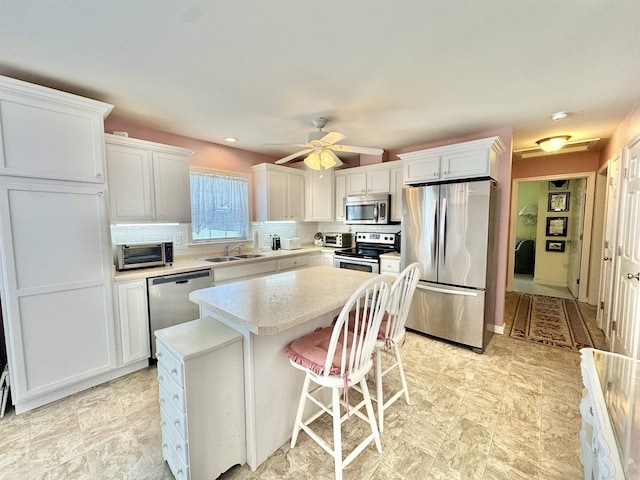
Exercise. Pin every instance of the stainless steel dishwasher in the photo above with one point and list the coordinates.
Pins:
(169, 302)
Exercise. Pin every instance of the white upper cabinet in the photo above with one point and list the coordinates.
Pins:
(367, 180)
(49, 134)
(319, 200)
(148, 182)
(280, 193)
(397, 184)
(474, 159)
(340, 192)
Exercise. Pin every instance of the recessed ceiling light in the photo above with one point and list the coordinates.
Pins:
(231, 139)
(559, 116)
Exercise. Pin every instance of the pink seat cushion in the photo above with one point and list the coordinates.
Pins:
(352, 321)
(310, 351)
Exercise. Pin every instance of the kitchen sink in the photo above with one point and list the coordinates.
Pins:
(220, 259)
(250, 255)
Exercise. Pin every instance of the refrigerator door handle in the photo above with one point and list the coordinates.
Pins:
(466, 293)
(434, 242)
(443, 233)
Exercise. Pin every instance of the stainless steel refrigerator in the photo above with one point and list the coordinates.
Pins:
(449, 230)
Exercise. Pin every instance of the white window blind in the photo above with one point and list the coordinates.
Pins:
(219, 206)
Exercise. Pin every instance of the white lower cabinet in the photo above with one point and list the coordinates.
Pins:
(243, 272)
(323, 259)
(201, 394)
(292, 263)
(133, 321)
(56, 288)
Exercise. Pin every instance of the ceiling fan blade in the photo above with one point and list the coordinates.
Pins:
(352, 149)
(303, 145)
(333, 137)
(294, 155)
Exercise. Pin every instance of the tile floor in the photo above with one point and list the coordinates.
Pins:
(511, 413)
(524, 283)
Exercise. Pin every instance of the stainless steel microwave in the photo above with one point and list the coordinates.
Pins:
(128, 256)
(371, 209)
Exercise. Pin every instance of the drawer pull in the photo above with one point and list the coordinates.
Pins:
(174, 371)
(164, 445)
(160, 378)
(161, 400)
(176, 396)
(163, 424)
(177, 422)
(179, 471)
(158, 354)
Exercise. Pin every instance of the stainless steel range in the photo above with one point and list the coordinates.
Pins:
(365, 256)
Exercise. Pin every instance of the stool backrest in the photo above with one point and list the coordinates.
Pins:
(353, 340)
(402, 292)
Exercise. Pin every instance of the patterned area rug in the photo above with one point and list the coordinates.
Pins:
(550, 321)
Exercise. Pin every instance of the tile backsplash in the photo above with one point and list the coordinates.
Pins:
(180, 234)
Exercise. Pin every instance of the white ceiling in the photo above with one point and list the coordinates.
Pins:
(389, 74)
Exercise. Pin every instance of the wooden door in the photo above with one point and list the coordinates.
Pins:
(576, 227)
(627, 317)
(605, 295)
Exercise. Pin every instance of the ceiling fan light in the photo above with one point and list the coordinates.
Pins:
(328, 159)
(551, 144)
(313, 161)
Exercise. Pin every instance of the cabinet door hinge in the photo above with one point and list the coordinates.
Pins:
(613, 326)
(601, 305)
(578, 281)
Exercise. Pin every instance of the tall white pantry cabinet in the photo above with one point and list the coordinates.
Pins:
(55, 255)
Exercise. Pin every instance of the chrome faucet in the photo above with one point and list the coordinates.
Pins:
(227, 249)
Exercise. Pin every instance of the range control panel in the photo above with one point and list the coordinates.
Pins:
(376, 237)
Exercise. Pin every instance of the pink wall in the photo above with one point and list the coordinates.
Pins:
(504, 189)
(207, 154)
(556, 164)
(629, 128)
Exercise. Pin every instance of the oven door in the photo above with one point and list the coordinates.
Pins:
(360, 264)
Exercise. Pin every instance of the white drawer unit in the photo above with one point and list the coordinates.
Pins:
(293, 262)
(390, 264)
(201, 394)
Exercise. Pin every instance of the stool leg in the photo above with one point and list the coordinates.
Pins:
(401, 370)
(337, 433)
(379, 394)
(303, 399)
(372, 417)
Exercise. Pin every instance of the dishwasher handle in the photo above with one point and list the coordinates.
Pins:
(180, 279)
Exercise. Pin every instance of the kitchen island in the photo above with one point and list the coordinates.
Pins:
(270, 312)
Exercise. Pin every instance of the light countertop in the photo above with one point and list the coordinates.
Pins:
(269, 305)
(183, 264)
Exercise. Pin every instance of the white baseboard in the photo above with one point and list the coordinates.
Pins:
(497, 329)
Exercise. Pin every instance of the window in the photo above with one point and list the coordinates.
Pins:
(219, 206)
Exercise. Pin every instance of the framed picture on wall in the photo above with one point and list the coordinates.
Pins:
(557, 226)
(558, 202)
(555, 245)
(558, 184)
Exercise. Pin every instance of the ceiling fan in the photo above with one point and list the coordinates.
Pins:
(321, 147)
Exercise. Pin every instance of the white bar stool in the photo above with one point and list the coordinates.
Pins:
(392, 333)
(338, 358)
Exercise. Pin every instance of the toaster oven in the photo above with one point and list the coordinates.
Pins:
(128, 256)
(339, 240)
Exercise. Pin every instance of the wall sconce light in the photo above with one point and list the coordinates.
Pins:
(530, 212)
(551, 144)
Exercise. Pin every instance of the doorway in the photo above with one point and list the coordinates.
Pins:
(550, 234)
